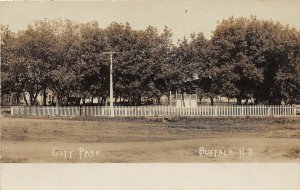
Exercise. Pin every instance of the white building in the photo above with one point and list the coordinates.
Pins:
(186, 100)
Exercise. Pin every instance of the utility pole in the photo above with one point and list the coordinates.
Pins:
(111, 89)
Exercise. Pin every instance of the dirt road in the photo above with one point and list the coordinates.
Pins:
(151, 140)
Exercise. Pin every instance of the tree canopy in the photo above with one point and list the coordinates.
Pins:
(245, 58)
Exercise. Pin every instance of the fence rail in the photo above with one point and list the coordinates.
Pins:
(232, 110)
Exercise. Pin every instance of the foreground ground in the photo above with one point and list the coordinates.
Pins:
(150, 140)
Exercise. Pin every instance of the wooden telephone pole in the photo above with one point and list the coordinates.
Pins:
(111, 89)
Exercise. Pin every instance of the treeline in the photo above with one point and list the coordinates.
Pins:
(244, 59)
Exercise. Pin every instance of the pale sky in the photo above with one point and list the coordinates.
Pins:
(183, 17)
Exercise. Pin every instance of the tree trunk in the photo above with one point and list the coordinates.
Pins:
(102, 99)
(133, 102)
(140, 100)
(25, 99)
(57, 101)
(211, 100)
(158, 100)
(45, 97)
(256, 101)
(35, 99)
(170, 98)
(182, 99)
(18, 98)
(239, 101)
(30, 99)
(52, 100)
(116, 99)
(247, 99)
(68, 98)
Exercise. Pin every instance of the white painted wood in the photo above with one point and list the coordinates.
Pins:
(217, 110)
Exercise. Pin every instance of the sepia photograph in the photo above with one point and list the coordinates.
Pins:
(150, 95)
(150, 81)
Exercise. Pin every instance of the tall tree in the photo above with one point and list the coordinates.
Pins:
(258, 55)
(237, 72)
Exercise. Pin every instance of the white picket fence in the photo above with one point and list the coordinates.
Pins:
(233, 110)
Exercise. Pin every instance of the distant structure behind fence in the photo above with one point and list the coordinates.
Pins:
(127, 111)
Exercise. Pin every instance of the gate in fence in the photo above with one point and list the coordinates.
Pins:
(257, 110)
